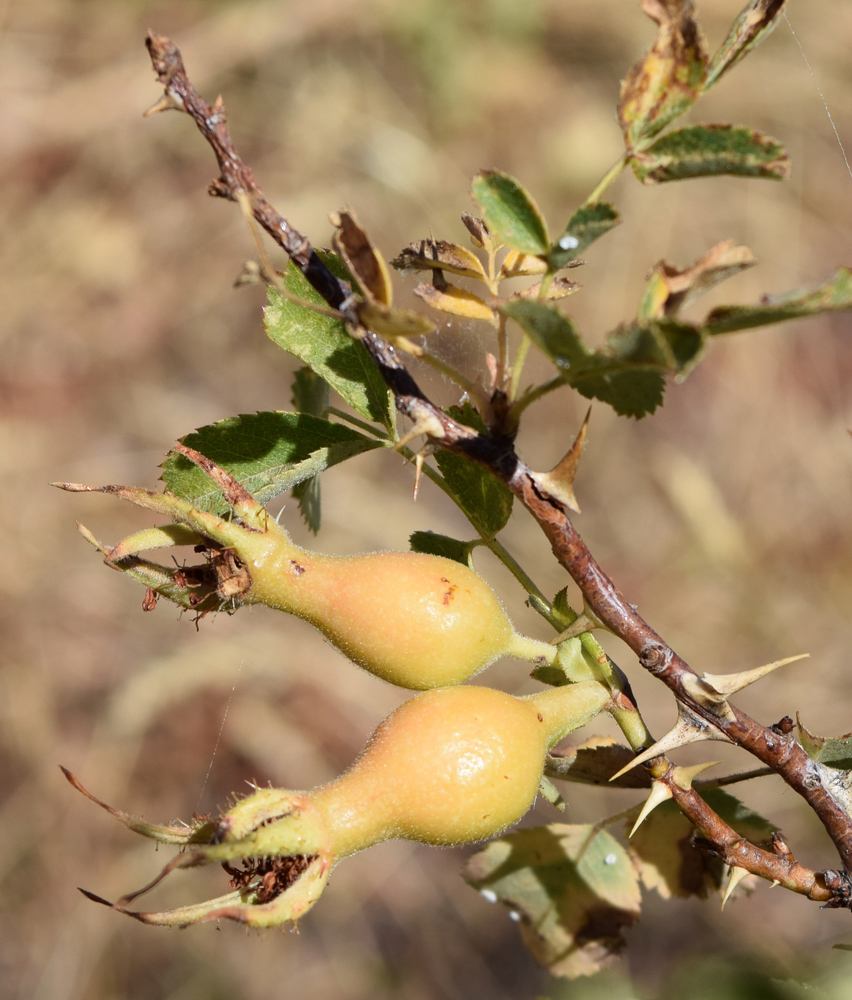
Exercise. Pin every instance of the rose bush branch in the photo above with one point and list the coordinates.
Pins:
(495, 452)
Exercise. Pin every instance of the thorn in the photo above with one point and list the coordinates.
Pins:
(660, 792)
(559, 482)
(684, 776)
(418, 471)
(166, 103)
(689, 728)
(705, 695)
(734, 878)
(426, 425)
(728, 684)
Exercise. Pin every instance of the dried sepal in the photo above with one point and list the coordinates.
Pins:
(425, 255)
(273, 844)
(365, 263)
(480, 235)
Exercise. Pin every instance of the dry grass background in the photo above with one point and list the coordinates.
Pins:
(725, 517)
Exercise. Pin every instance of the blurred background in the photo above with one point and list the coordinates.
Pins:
(725, 517)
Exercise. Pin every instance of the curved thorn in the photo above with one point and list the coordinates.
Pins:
(734, 878)
(728, 684)
(684, 776)
(660, 792)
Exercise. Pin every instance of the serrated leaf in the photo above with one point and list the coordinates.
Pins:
(433, 544)
(709, 151)
(456, 301)
(834, 752)
(594, 762)
(510, 212)
(309, 394)
(662, 846)
(586, 225)
(670, 289)
(363, 260)
(484, 499)
(322, 343)
(574, 890)
(747, 32)
(267, 453)
(834, 296)
(668, 79)
(426, 255)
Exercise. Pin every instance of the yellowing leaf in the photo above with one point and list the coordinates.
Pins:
(457, 301)
(559, 288)
(365, 263)
(747, 32)
(440, 255)
(668, 79)
(393, 323)
(669, 289)
(519, 265)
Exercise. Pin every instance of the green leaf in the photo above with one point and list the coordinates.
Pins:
(309, 394)
(630, 393)
(753, 25)
(553, 333)
(662, 846)
(267, 452)
(484, 499)
(668, 79)
(433, 544)
(510, 212)
(834, 296)
(574, 890)
(710, 150)
(322, 342)
(833, 752)
(586, 225)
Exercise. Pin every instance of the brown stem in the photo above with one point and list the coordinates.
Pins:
(496, 453)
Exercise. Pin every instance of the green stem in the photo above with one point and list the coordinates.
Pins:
(379, 432)
(535, 393)
(515, 569)
(454, 375)
(607, 179)
(518, 366)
